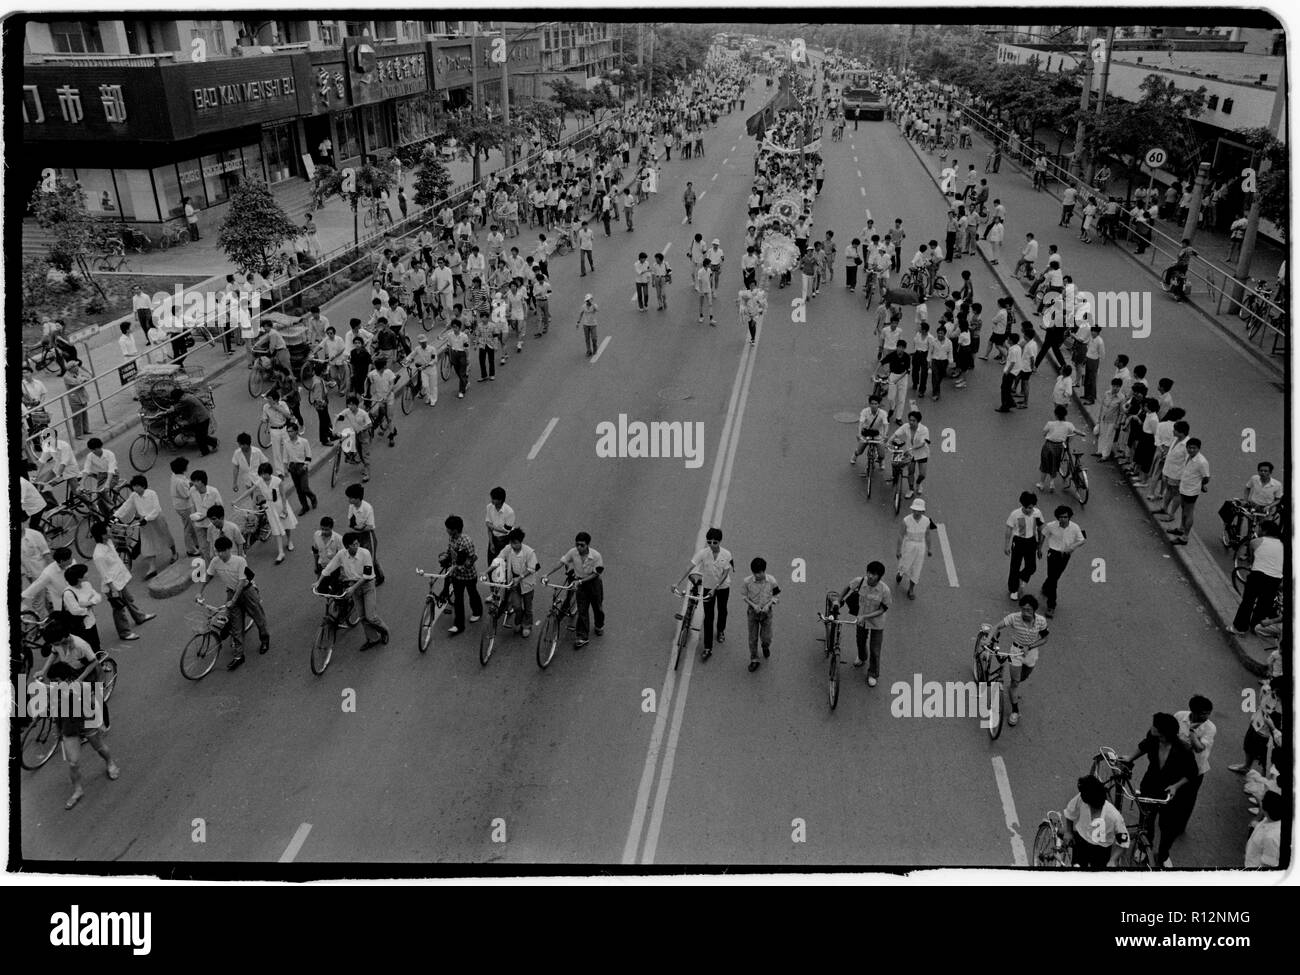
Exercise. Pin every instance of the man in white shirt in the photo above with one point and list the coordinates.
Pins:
(142, 305)
(499, 518)
(1028, 255)
(1264, 847)
(1024, 543)
(357, 569)
(99, 469)
(114, 578)
(914, 435)
(521, 565)
(711, 568)
(361, 520)
(1192, 483)
(1063, 536)
(50, 581)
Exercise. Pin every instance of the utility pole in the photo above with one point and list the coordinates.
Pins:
(1101, 95)
(1084, 94)
(473, 62)
(650, 77)
(640, 63)
(1198, 194)
(1247, 243)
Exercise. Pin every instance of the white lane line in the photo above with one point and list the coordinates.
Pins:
(859, 174)
(733, 148)
(862, 190)
(855, 159)
(701, 196)
(947, 556)
(724, 162)
(643, 796)
(295, 844)
(715, 176)
(537, 447)
(1018, 854)
(601, 348)
(748, 359)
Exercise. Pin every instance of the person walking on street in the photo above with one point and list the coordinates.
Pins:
(913, 546)
(704, 290)
(1197, 732)
(500, 520)
(114, 577)
(588, 322)
(1192, 483)
(460, 559)
(710, 572)
(759, 590)
(584, 565)
(642, 273)
(868, 598)
(458, 349)
(1024, 543)
(361, 519)
(297, 460)
(356, 569)
(1063, 537)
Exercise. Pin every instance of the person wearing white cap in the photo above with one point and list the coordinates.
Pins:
(913, 546)
(588, 323)
(716, 257)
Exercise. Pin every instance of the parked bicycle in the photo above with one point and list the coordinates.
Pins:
(174, 236)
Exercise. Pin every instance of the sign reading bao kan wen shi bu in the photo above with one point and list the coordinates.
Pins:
(243, 92)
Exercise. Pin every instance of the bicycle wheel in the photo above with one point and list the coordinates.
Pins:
(898, 491)
(683, 636)
(81, 538)
(1045, 853)
(997, 709)
(444, 365)
(322, 648)
(264, 434)
(108, 675)
(428, 616)
(59, 527)
(200, 656)
(39, 743)
(871, 469)
(833, 680)
(408, 398)
(143, 452)
(1139, 851)
(1229, 537)
(548, 638)
(1109, 780)
(334, 468)
(1241, 560)
(940, 287)
(487, 640)
(1081, 485)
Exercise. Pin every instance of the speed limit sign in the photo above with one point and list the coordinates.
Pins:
(1155, 158)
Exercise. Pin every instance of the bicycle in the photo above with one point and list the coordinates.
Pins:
(42, 356)
(869, 285)
(211, 625)
(260, 377)
(926, 284)
(830, 620)
(1050, 846)
(1142, 834)
(988, 666)
(341, 611)
(411, 390)
(1239, 543)
(687, 616)
(497, 607)
(563, 605)
(1072, 472)
(41, 738)
(899, 461)
(177, 236)
(873, 461)
(113, 258)
(434, 604)
(253, 522)
(351, 456)
(160, 429)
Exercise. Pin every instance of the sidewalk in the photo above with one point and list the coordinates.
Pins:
(1183, 344)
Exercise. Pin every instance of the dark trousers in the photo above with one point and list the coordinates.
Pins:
(585, 260)
(460, 362)
(1090, 367)
(938, 369)
(203, 440)
(1008, 397)
(642, 294)
(145, 317)
(949, 245)
(298, 472)
(717, 606)
(1052, 339)
(591, 593)
(1174, 817)
(459, 587)
(1256, 601)
(919, 371)
(194, 231)
(1056, 563)
(125, 611)
(870, 643)
(1024, 561)
(326, 428)
(487, 363)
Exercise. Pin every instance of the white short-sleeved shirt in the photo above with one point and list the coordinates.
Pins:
(715, 570)
(1100, 830)
(1265, 844)
(1022, 525)
(1257, 492)
(1196, 468)
(1062, 539)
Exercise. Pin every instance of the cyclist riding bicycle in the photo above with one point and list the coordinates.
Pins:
(873, 424)
(1031, 632)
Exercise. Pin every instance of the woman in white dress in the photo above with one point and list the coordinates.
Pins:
(157, 546)
(913, 546)
(266, 491)
(652, 179)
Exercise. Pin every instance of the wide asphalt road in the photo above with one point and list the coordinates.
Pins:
(609, 756)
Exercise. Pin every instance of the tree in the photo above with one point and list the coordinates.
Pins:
(254, 227)
(62, 209)
(1272, 174)
(374, 176)
(1162, 118)
(478, 135)
(569, 97)
(542, 117)
(432, 182)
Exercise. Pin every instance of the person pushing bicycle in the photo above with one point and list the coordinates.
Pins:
(1031, 632)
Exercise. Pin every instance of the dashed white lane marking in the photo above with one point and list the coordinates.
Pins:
(947, 556)
(666, 248)
(862, 190)
(724, 162)
(295, 844)
(859, 174)
(733, 148)
(537, 447)
(715, 176)
(601, 348)
(701, 196)
(1018, 855)
(855, 159)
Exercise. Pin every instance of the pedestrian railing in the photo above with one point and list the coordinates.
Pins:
(285, 292)
(1266, 321)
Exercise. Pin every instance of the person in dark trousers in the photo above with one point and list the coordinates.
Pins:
(583, 565)
(710, 569)
(460, 559)
(1170, 768)
(194, 418)
(1063, 536)
(1268, 559)
(1023, 542)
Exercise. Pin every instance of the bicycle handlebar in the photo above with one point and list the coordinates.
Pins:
(336, 595)
(432, 577)
(551, 585)
(211, 606)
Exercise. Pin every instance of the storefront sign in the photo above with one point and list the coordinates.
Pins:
(243, 92)
(193, 173)
(377, 73)
(222, 94)
(453, 66)
(83, 103)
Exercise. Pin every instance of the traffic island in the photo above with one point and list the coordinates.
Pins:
(171, 581)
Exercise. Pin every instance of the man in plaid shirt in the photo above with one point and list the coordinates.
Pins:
(461, 558)
(759, 591)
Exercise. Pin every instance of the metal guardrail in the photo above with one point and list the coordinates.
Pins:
(211, 330)
(1258, 310)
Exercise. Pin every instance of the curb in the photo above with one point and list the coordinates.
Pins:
(1204, 578)
(1264, 359)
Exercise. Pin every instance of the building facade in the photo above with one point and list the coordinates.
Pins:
(142, 130)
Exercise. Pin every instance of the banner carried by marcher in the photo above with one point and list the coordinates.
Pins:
(770, 146)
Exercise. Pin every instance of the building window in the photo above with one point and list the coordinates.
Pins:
(1212, 102)
(76, 37)
(349, 139)
(279, 153)
(1227, 106)
(328, 31)
(222, 172)
(375, 120)
(358, 28)
(212, 33)
(169, 190)
(101, 194)
(416, 119)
